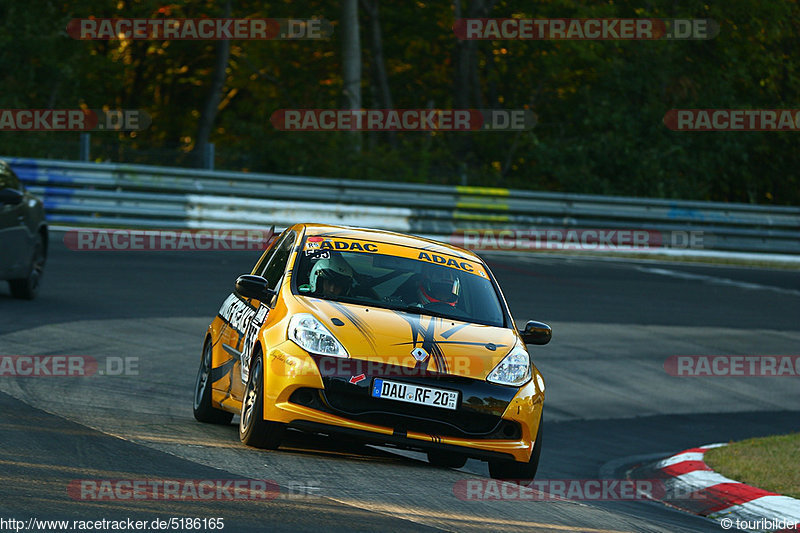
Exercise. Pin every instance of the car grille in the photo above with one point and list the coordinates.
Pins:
(404, 418)
(479, 414)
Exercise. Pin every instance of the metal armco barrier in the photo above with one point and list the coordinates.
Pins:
(77, 193)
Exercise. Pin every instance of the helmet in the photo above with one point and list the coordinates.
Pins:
(440, 284)
(336, 270)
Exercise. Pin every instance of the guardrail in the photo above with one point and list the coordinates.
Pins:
(99, 194)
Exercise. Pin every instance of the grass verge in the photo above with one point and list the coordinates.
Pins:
(769, 463)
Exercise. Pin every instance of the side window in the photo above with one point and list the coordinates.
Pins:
(5, 177)
(14, 180)
(273, 272)
(267, 256)
(9, 180)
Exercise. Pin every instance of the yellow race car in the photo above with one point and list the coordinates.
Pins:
(397, 340)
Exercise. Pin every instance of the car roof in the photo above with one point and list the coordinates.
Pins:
(388, 237)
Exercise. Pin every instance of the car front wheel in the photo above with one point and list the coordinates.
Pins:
(27, 288)
(203, 410)
(253, 429)
(516, 471)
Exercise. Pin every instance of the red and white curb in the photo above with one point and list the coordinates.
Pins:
(691, 485)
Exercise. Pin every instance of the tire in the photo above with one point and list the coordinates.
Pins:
(523, 473)
(203, 410)
(27, 288)
(253, 429)
(446, 459)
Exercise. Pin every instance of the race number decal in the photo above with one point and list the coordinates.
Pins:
(236, 313)
(250, 339)
(318, 254)
(247, 322)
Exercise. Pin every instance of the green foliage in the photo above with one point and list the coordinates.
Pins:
(600, 104)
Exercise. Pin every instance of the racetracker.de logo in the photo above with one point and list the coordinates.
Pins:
(39, 366)
(732, 119)
(118, 240)
(203, 29)
(572, 489)
(74, 120)
(403, 119)
(358, 370)
(172, 489)
(595, 29)
(761, 366)
(575, 239)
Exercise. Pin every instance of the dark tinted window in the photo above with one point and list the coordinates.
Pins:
(8, 180)
(276, 264)
(266, 256)
(399, 283)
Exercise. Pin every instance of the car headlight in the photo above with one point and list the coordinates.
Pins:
(309, 334)
(514, 369)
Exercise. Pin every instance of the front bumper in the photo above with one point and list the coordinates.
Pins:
(319, 395)
(398, 441)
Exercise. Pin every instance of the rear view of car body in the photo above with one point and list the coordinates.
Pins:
(23, 236)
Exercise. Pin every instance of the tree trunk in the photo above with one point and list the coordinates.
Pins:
(461, 65)
(384, 94)
(351, 62)
(209, 112)
(467, 92)
(466, 79)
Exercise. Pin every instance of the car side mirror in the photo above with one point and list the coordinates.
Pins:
(256, 287)
(11, 196)
(536, 333)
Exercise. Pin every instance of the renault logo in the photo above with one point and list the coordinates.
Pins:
(419, 354)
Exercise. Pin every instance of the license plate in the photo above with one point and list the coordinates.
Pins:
(406, 392)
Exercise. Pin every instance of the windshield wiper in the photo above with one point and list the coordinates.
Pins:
(406, 309)
(422, 311)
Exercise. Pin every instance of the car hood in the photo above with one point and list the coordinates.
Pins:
(389, 337)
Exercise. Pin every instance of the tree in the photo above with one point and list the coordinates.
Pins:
(351, 61)
(209, 110)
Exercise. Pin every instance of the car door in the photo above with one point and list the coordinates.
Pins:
(272, 267)
(15, 243)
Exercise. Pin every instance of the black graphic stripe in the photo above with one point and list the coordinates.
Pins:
(221, 371)
(449, 333)
(360, 324)
(458, 343)
(413, 321)
(430, 345)
(428, 336)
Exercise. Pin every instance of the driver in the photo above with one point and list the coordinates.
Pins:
(331, 277)
(439, 285)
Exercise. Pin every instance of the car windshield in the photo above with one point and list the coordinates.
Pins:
(418, 281)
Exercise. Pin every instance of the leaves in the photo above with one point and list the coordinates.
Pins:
(600, 104)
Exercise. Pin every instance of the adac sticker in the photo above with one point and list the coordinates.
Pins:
(349, 246)
(452, 262)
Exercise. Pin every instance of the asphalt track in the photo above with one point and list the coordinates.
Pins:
(609, 400)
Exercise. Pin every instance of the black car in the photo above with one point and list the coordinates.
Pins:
(23, 236)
